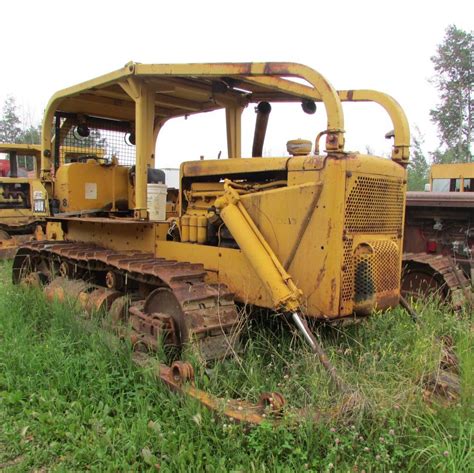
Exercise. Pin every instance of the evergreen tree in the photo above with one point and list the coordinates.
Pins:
(454, 80)
(11, 128)
(30, 135)
(10, 124)
(418, 168)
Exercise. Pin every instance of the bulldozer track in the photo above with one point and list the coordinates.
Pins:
(457, 286)
(205, 314)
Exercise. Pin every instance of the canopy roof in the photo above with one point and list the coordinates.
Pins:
(184, 89)
(158, 92)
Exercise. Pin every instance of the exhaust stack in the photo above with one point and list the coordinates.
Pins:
(263, 110)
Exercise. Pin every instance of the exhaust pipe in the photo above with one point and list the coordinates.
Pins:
(263, 110)
(13, 164)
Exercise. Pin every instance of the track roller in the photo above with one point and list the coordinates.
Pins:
(63, 289)
(114, 280)
(98, 299)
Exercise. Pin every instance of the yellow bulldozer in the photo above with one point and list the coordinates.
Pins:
(23, 198)
(316, 234)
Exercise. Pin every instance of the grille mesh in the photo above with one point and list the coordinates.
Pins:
(347, 275)
(366, 273)
(374, 206)
(387, 268)
(106, 139)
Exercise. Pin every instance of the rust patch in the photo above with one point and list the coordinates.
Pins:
(328, 233)
(322, 271)
(333, 293)
(180, 378)
(277, 68)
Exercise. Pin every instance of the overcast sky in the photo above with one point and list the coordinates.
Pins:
(384, 45)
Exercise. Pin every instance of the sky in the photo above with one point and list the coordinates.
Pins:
(48, 45)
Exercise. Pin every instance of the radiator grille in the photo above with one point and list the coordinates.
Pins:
(387, 267)
(368, 273)
(374, 206)
(348, 272)
(105, 139)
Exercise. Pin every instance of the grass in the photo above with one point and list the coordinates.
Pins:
(69, 401)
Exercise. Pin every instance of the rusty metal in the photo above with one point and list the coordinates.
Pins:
(100, 298)
(274, 401)
(182, 309)
(64, 269)
(118, 311)
(9, 243)
(114, 280)
(63, 289)
(182, 372)
(208, 314)
(180, 378)
(151, 329)
(426, 274)
(440, 199)
(440, 224)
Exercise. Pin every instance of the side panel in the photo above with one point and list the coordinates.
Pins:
(303, 226)
(84, 186)
(133, 236)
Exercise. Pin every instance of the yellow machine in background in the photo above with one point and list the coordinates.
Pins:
(23, 198)
(455, 177)
(314, 234)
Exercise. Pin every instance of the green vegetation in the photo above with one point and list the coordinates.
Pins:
(13, 129)
(70, 401)
(454, 81)
(452, 115)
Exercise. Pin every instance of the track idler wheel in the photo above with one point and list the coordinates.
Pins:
(182, 372)
(25, 263)
(163, 301)
(273, 401)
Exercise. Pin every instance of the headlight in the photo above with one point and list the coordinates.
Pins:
(39, 206)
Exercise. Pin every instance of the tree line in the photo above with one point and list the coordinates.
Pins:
(453, 115)
(13, 129)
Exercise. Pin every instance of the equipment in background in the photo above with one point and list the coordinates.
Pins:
(23, 198)
(439, 236)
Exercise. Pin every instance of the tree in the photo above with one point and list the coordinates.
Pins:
(418, 168)
(454, 80)
(30, 135)
(15, 130)
(10, 124)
